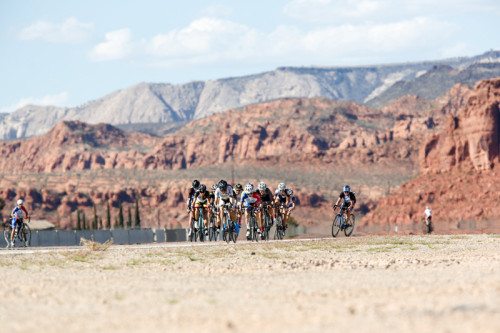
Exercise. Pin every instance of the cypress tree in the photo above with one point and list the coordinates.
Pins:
(108, 217)
(78, 221)
(137, 217)
(120, 215)
(129, 218)
(84, 222)
(94, 221)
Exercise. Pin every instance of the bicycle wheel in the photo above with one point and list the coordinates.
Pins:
(233, 233)
(255, 236)
(26, 238)
(6, 234)
(350, 226)
(267, 227)
(336, 225)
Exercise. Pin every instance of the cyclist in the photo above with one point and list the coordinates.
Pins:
(249, 197)
(291, 205)
(202, 199)
(349, 200)
(428, 214)
(224, 195)
(18, 213)
(195, 186)
(238, 189)
(267, 199)
(282, 200)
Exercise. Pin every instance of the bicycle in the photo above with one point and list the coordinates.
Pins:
(340, 223)
(22, 233)
(229, 228)
(213, 233)
(267, 222)
(279, 232)
(198, 228)
(427, 227)
(253, 223)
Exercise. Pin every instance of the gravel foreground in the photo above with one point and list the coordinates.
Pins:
(360, 284)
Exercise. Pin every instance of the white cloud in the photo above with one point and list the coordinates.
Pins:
(71, 31)
(216, 41)
(216, 10)
(206, 40)
(118, 45)
(340, 12)
(55, 100)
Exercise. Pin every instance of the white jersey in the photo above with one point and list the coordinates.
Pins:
(224, 195)
(428, 213)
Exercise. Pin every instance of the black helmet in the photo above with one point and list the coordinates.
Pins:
(238, 187)
(196, 183)
(222, 185)
(203, 188)
(347, 188)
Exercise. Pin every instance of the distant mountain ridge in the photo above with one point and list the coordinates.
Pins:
(169, 104)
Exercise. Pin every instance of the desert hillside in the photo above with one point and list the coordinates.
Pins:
(315, 145)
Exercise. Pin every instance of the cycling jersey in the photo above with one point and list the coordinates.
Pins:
(201, 200)
(348, 198)
(267, 196)
(292, 201)
(192, 192)
(428, 213)
(281, 197)
(19, 213)
(225, 195)
(247, 198)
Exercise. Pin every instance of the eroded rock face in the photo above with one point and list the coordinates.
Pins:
(459, 168)
(471, 138)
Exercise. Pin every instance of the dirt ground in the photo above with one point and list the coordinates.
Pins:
(359, 284)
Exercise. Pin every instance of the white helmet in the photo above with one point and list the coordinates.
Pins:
(249, 188)
(262, 186)
(20, 201)
(281, 187)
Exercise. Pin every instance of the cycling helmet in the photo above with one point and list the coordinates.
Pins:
(214, 187)
(289, 192)
(223, 185)
(262, 186)
(347, 188)
(203, 188)
(20, 201)
(281, 187)
(249, 188)
(196, 183)
(238, 187)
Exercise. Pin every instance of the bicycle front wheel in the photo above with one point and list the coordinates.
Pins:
(6, 234)
(25, 234)
(350, 226)
(336, 225)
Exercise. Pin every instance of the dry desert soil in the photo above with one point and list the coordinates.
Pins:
(438, 283)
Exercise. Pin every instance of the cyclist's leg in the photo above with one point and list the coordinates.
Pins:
(284, 211)
(205, 213)
(14, 226)
(220, 216)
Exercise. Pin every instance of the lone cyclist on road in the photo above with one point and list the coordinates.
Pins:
(349, 200)
(18, 213)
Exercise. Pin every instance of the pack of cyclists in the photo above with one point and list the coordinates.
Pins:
(238, 201)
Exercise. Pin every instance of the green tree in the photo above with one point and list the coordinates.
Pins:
(108, 217)
(84, 222)
(120, 215)
(94, 221)
(129, 218)
(137, 217)
(78, 220)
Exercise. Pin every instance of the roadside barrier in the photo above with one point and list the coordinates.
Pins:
(120, 236)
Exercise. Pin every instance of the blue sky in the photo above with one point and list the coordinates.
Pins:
(68, 52)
